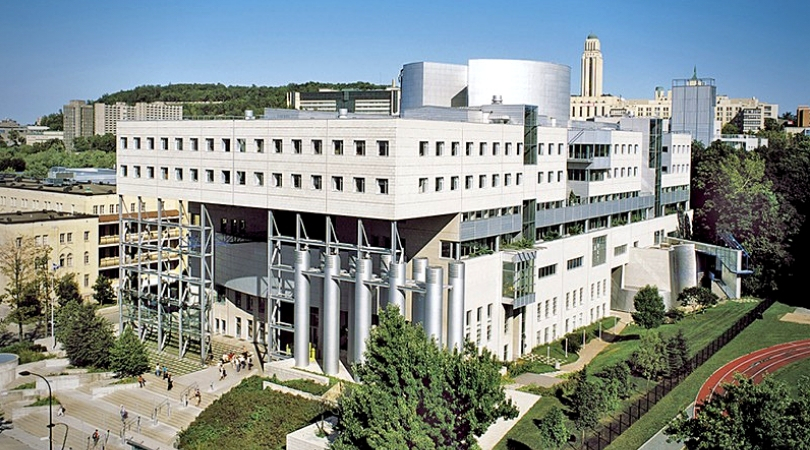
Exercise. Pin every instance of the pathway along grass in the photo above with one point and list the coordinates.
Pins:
(249, 417)
(760, 334)
(699, 330)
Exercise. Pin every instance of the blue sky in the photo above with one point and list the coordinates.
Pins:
(55, 51)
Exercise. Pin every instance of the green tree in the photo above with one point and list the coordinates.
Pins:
(53, 121)
(697, 296)
(619, 376)
(677, 352)
(103, 291)
(749, 416)
(67, 289)
(730, 128)
(650, 360)
(414, 394)
(128, 356)
(554, 432)
(18, 257)
(650, 309)
(589, 400)
(87, 338)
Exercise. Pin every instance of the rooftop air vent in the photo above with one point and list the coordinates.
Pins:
(342, 113)
(497, 100)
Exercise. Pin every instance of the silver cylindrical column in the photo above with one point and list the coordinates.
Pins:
(385, 264)
(331, 315)
(455, 305)
(683, 260)
(418, 299)
(301, 293)
(396, 278)
(362, 309)
(433, 303)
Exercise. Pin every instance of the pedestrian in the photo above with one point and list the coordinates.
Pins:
(250, 362)
(165, 372)
(223, 374)
(238, 365)
(96, 437)
(157, 369)
(198, 396)
(169, 383)
(61, 411)
(124, 414)
(141, 381)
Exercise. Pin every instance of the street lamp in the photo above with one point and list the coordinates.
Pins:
(25, 373)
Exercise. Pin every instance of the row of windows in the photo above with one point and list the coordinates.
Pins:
(677, 168)
(543, 311)
(469, 148)
(574, 263)
(483, 181)
(99, 209)
(34, 204)
(242, 145)
(66, 260)
(549, 177)
(547, 271)
(677, 148)
(480, 324)
(276, 180)
(487, 213)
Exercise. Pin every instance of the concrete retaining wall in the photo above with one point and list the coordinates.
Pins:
(290, 391)
(287, 374)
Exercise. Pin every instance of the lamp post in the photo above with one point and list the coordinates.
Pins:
(25, 373)
(55, 267)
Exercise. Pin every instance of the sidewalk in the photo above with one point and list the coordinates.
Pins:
(586, 355)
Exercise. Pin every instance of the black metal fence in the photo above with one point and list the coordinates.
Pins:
(608, 433)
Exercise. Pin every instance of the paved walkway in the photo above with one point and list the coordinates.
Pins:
(586, 354)
(524, 402)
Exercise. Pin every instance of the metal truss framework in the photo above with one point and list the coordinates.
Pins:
(162, 293)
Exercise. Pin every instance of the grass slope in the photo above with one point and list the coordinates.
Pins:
(760, 334)
(249, 418)
(698, 330)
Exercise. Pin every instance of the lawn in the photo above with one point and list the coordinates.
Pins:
(760, 334)
(699, 330)
(249, 417)
(790, 374)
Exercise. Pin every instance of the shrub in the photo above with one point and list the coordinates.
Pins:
(574, 342)
(27, 352)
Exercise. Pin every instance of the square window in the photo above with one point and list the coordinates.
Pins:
(338, 146)
(496, 148)
(150, 143)
(468, 182)
(360, 148)
(454, 148)
(164, 173)
(178, 144)
(122, 143)
(193, 173)
(439, 148)
(209, 144)
(439, 184)
(86, 236)
(225, 177)
(359, 185)
(453, 183)
(423, 148)
(277, 181)
(209, 176)
(164, 143)
(317, 147)
(296, 180)
(241, 147)
(482, 149)
(508, 149)
(382, 186)
(194, 143)
(337, 183)
(278, 146)
(482, 181)
(258, 178)
(317, 182)
(226, 145)
(469, 149)
(136, 142)
(259, 145)
(507, 179)
(240, 177)
(297, 146)
(123, 171)
(150, 172)
(496, 180)
(423, 185)
(382, 148)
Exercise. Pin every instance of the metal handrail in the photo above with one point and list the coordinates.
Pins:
(184, 395)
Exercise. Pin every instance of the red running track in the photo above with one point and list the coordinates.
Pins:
(754, 365)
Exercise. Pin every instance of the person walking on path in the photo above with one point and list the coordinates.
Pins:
(157, 370)
(124, 414)
(169, 383)
(96, 437)
(198, 396)
(141, 381)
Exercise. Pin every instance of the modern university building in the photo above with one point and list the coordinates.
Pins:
(481, 212)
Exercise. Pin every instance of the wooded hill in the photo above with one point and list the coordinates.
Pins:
(218, 99)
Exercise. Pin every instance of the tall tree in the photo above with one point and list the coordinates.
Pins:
(650, 309)
(414, 394)
(87, 338)
(103, 291)
(749, 416)
(18, 256)
(650, 360)
(553, 429)
(128, 356)
(67, 289)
